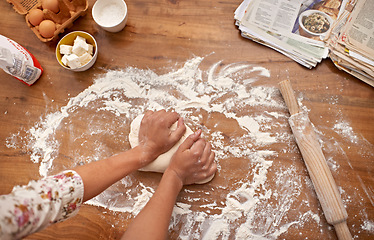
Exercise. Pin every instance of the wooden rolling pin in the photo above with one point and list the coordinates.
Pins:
(323, 182)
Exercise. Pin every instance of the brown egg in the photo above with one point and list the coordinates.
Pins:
(35, 16)
(51, 5)
(47, 28)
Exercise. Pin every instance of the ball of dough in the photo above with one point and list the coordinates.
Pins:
(163, 161)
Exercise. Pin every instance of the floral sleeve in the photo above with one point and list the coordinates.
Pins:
(28, 209)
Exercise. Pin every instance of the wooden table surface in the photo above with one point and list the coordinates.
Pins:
(163, 35)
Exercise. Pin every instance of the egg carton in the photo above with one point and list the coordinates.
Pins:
(70, 10)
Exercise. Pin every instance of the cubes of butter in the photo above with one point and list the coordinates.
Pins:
(65, 49)
(78, 55)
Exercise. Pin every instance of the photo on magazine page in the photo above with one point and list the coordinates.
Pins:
(316, 17)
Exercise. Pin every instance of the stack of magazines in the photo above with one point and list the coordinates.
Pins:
(309, 31)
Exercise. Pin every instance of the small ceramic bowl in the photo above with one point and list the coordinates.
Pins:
(307, 33)
(111, 15)
(69, 40)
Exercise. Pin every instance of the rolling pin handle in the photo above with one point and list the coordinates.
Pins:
(342, 231)
(289, 97)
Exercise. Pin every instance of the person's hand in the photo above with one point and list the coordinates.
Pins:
(194, 160)
(155, 136)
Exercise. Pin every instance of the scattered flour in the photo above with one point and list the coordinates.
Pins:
(368, 226)
(343, 128)
(254, 207)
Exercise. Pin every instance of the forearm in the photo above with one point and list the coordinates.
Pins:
(153, 221)
(98, 176)
(33, 207)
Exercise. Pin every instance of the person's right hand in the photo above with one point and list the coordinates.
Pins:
(194, 160)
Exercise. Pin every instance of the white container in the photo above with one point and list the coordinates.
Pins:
(69, 40)
(111, 15)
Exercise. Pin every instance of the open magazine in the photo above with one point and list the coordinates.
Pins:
(309, 31)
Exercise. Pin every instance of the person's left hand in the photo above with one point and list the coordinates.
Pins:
(155, 136)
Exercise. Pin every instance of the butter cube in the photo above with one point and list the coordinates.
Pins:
(73, 61)
(79, 39)
(79, 48)
(65, 49)
(64, 60)
(85, 58)
(90, 49)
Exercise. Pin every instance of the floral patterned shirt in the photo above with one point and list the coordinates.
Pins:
(31, 208)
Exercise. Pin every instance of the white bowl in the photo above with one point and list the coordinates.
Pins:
(68, 39)
(304, 31)
(111, 15)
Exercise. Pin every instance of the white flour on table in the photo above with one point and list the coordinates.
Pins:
(95, 124)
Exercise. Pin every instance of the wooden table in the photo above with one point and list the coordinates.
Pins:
(164, 34)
